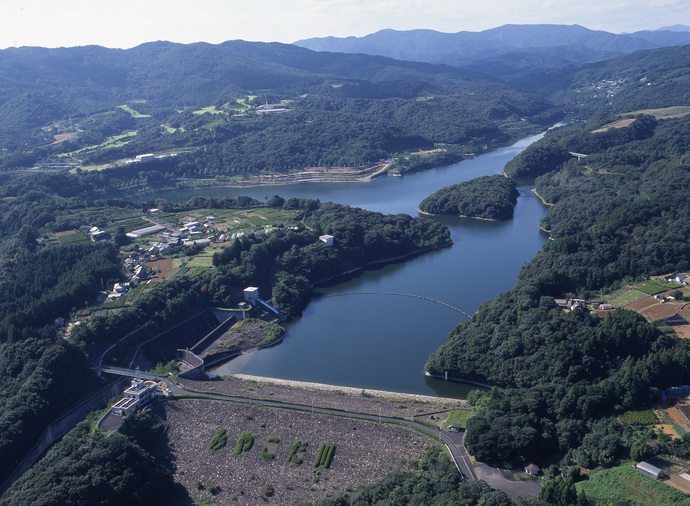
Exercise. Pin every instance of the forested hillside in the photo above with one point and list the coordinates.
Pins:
(487, 197)
(621, 213)
(202, 103)
(643, 80)
(43, 280)
(90, 468)
(618, 179)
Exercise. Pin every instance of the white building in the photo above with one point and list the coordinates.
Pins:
(135, 396)
(251, 294)
(649, 469)
(328, 239)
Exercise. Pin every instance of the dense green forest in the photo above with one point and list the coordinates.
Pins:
(88, 467)
(43, 280)
(36, 390)
(201, 102)
(488, 197)
(620, 214)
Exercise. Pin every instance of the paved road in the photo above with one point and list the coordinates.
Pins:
(497, 479)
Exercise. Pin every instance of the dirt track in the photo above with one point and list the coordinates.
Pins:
(357, 400)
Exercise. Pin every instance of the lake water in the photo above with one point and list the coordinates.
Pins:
(381, 341)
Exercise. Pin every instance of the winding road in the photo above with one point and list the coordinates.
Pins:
(496, 478)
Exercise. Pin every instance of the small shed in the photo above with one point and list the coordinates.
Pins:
(532, 469)
(455, 428)
(328, 239)
(649, 469)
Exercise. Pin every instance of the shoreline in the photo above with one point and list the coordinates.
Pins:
(284, 180)
(543, 201)
(307, 385)
(465, 216)
(459, 380)
(377, 262)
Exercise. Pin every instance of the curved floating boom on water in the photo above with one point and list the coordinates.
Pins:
(401, 294)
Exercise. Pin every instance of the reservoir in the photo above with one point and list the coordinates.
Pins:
(382, 341)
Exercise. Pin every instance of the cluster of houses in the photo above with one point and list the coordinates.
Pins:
(610, 87)
(139, 273)
(190, 233)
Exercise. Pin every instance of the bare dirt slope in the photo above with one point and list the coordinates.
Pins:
(365, 452)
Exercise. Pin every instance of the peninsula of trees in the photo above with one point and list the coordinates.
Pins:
(485, 197)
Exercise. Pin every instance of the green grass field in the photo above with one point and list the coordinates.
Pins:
(134, 113)
(623, 483)
(210, 109)
(75, 238)
(129, 224)
(458, 417)
(643, 416)
(627, 298)
(200, 261)
(666, 112)
(654, 286)
(110, 142)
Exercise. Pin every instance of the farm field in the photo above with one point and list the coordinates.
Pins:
(624, 483)
(621, 123)
(663, 113)
(71, 237)
(627, 297)
(165, 268)
(640, 300)
(643, 416)
(654, 286)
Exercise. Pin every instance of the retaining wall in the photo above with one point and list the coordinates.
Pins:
(195, 362)
(64, 424)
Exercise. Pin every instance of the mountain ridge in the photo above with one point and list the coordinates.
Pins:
(579, 44)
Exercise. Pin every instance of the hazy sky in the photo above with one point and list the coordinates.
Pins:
(127, 23)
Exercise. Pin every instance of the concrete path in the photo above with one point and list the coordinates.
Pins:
(506, 482)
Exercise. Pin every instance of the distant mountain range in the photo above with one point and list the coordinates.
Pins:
(507, 50)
